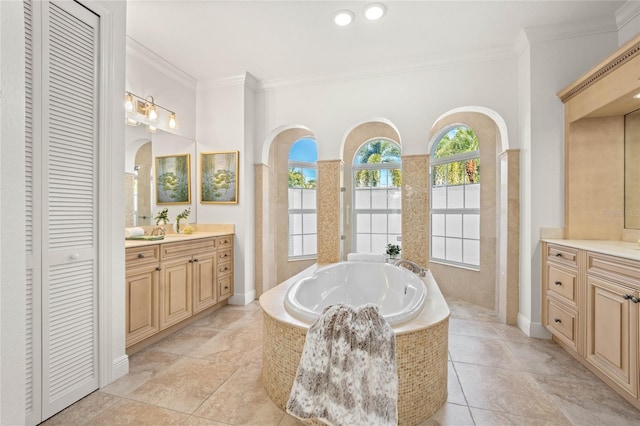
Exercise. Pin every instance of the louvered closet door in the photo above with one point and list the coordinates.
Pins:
(64, 206)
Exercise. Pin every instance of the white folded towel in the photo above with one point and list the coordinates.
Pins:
(133, 232)
(366, 257)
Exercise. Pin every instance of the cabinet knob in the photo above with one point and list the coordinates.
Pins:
(558, 254)
(140, 255)
(626, 297)
(190, 260)
(635, 299)
(195, 260)
(158, 268)
(558, 283)
(226, 287)
(558, 321)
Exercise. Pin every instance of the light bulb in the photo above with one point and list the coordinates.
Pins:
(131, 122)
(151, 129)
(128, 102)
(152, 112)
(173, 123)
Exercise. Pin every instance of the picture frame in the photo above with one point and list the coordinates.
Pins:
(173, 179)
(219, 177)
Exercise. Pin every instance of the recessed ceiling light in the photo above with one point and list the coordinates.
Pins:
(375, 11)
(343, 17)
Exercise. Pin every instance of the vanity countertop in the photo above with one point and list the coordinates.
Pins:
(621, 249)
(175, 238)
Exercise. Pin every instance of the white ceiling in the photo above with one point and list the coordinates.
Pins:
(285, 40)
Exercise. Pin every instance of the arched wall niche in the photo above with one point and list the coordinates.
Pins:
(354, 138)
(272, 222)
(495, 285)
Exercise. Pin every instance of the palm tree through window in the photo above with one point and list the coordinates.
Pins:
(303, 171)
(455, 198)
(377, 200)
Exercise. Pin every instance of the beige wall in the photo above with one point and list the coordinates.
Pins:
(632, 171)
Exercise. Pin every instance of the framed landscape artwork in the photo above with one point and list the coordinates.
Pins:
(173, 179)
(219, 177)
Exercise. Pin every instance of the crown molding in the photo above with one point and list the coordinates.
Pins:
(214, 83)
(627, 12)
(160, 64)
(501, 53)
(593, 26)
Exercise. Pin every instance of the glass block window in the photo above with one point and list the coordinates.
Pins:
(303, 172)
(377, 213)
(455, 199)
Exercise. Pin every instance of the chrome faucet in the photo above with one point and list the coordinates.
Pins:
(412, 266)
(158, 230)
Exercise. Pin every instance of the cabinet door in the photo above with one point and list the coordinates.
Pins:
(204, 281)
(142, 303)
(612, 332)
(175, 292)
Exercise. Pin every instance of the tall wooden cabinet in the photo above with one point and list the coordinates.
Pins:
(168, 283)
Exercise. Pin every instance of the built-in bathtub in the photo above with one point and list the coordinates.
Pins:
(421, 348)
(398, 292)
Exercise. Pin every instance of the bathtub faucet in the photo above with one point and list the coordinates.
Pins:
(412, 266)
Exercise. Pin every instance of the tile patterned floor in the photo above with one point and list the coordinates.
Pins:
(209, 374)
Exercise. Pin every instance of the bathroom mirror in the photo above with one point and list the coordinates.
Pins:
(632, 170)
(142, 147)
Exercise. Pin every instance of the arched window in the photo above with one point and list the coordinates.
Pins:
(455, 198)
(303, 172)
(377, 212)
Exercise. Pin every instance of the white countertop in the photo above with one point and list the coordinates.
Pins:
(622, 249)
(173, 238)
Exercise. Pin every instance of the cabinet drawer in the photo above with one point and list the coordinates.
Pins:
(561, 283)
(224, 241)
(225, 268)
(561, 323)
(187, 248)
(561, 254)
(225, 255)
(625, 270)
(225, 287)
(136, 256)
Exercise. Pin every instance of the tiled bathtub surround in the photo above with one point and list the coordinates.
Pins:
(209, 374)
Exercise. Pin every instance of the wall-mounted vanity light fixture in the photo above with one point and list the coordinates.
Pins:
(146, 111)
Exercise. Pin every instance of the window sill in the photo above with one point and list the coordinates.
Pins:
(455, 265)
(302, 258)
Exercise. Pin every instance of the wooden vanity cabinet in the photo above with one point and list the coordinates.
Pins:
(170, 282)
(142, 288)
(591, 307)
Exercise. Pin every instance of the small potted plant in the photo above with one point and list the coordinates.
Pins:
(182, 216)
(162, 217)
(393, 250)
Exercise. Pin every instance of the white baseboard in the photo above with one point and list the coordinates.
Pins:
(243, 299)
(119, 368)
(531, 329)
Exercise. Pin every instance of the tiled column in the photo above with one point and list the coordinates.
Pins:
(415, 209)
(328, 205)
(509, 236)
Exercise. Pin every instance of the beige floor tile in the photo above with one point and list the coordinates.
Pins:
(255, 409)
(495, 418)
(546, 357)
(510, 332)
(201, 421)
(143, 366)
(464, 310)
(128, 412)
(185, 340)
(230, 319)
(588, 402)
(240, 347)
(83, 411)
(450, 414)
(288, 420)
(509, 391)
(185, 384)
(464, 327)
(454, 390)
(482, 351)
